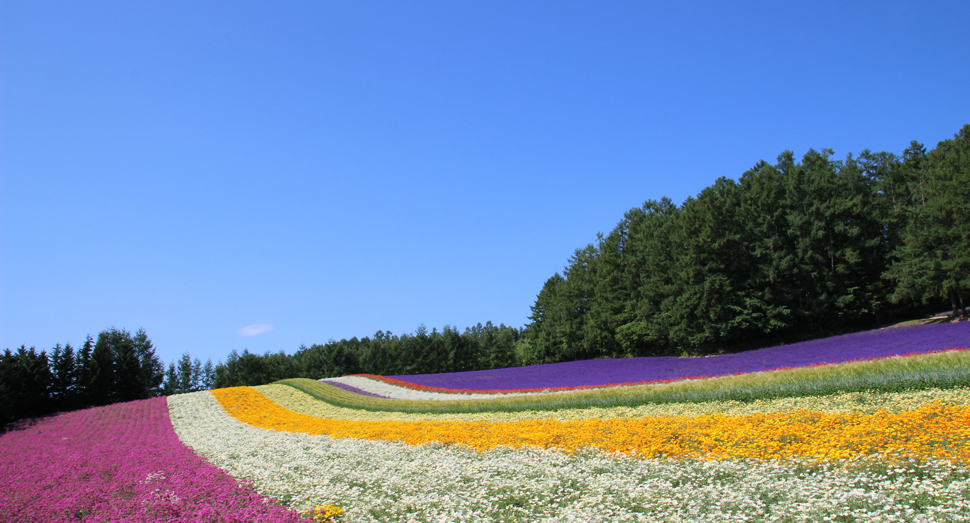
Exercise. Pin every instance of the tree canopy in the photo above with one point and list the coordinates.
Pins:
(791, 250)
(117, 367)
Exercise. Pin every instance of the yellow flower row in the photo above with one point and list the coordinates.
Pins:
(937, 430)
(861, 402)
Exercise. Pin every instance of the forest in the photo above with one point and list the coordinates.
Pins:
(789, 251)
(479, 347)
(116, 367)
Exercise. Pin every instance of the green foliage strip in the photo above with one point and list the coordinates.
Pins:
(942, 370)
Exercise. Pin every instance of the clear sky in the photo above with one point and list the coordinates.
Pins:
(233, 175)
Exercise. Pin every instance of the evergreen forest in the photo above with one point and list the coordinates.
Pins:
(791, 250)
(117, 367)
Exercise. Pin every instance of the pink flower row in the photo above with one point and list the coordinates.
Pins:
(122, 462)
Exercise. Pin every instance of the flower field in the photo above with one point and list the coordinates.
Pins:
(391, 481)
(882, 343)
(119, 463)
(853, 435)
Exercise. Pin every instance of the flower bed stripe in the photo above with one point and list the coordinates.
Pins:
(946, 370)
(937, 430)
(874, 344)
(349, 387)
(379, 386)
(402, 381)
(122, 462)
(861, 402)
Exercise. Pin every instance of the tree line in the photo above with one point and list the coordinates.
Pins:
(479, 347)
(790, 251)
(118, 366)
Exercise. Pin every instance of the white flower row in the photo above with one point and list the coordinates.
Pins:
(861, 402)
(382, 388)
(388, 482)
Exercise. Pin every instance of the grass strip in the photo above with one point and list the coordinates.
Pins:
(936, 430)
(944, 370)
(859, 402)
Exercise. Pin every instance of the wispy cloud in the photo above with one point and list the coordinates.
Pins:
(253, 330)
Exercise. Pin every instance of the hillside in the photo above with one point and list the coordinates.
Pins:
(871, 426)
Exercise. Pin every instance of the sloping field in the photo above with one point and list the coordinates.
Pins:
(892, 341)
(854, 432)
(119, 463)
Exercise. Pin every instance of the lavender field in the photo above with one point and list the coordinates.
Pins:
(893, 341)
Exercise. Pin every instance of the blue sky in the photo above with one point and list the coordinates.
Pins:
(234, 175)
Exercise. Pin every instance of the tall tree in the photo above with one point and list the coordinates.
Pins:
(577, 296)
(609, 304)
(152, 370)
(547, 320)
(502, 351)
(172, 381)
(186, 377)
(85, 372)
(128, 372)
(208, 375)
(462, 350)
(101, 389)
(26, 381)
(933, 260)
(768, 287)
(64, 383)
(709, 310)
(650, 264)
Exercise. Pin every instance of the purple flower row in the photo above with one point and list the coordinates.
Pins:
(122, 462)
(880, 343)
(355, 390)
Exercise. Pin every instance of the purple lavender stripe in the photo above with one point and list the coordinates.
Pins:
(122, 462)
(355, 390)
(880, 343)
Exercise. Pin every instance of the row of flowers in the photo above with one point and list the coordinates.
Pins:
(385, 480)
(389, 388)
(856, 402)
(937, 429)
(122, 462)
(867, 345)
(467, 392)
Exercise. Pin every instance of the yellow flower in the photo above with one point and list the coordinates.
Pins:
(935, 429)
(324, 512)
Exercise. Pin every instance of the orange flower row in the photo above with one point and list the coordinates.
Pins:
(936, 430)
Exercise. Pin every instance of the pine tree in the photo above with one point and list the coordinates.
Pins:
(102, 389)
(152, 370)
(128, 372)
(64, 385)
(172, 381)
(208, 375)
(933, 259)
(186, 381)
(85, 373)
(650, 265)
